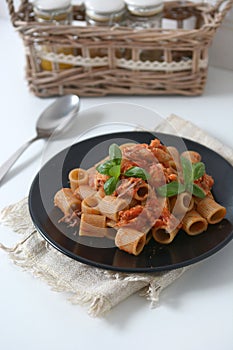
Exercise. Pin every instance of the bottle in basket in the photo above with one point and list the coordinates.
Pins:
(144, 14)
(55, 12)
(106, 13)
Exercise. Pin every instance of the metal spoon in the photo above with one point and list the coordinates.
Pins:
(54, 119)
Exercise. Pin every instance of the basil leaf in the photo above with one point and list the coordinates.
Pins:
(171, 189)
(115, 171)
(104, 168)
(110, 185)
(198, 170)
(115, 152)
(187, 170)
(189, 188)
(198, 191)
(135, 171)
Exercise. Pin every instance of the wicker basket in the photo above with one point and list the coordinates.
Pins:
(98, 61)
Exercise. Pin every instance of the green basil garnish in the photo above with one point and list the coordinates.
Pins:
(198, 191)
(171, 189)
(187, 170)
(112, 168)
(110, 185)
(191, 172)
(198, 170)
(115, 171)
(115, 152)
(104, 168)
(138, 172)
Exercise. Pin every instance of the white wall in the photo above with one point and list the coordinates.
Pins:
(3, 7)
(221, 52)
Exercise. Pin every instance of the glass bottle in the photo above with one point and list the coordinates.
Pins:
(53, 11)
(105, 13)
(56, 12)
(144, 14)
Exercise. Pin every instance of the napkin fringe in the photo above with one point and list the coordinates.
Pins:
(16, 216)
(98, 305)
(155, 287)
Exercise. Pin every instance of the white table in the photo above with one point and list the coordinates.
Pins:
(194, 313)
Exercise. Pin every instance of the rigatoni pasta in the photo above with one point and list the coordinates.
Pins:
(162, 235)
(211, 210)
(141, 192)
(77, 178)
(92, 225)
(130, 240)
(193, 223)
(66, 201)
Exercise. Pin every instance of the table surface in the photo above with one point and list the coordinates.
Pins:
(194, 313)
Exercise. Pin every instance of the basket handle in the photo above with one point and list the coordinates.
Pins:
(12, 11)
(222, 9)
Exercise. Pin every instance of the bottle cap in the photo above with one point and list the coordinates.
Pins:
(104, 6)
(48, 5)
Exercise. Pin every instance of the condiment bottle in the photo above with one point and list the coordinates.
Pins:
(53, 11)
(105, 12)
(56, 12)
(144, 14)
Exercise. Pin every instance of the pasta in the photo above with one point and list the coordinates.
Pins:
(66, 201)
(92, 225)
(194, 223)
(162, 235)
(211, 210)
(77, 178)
(141, 193)
(111, 206)
(90, 205)
(130, 240)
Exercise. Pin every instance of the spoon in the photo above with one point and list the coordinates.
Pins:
(52, 120)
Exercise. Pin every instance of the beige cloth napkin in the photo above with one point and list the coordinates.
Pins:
(99, 289)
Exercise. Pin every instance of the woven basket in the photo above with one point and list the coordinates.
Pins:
(98, 61)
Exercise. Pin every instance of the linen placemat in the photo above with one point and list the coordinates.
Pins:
(99, 289)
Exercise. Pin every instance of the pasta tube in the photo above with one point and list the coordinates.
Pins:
(66, 201)
(162, 235)
(211, 210)
(193, 223)
(77, 177)
(142, 192)
(130, 240)
(92, 225)
(110, 206)
(90, 205)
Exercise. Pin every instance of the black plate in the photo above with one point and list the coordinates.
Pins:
(183, 251)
